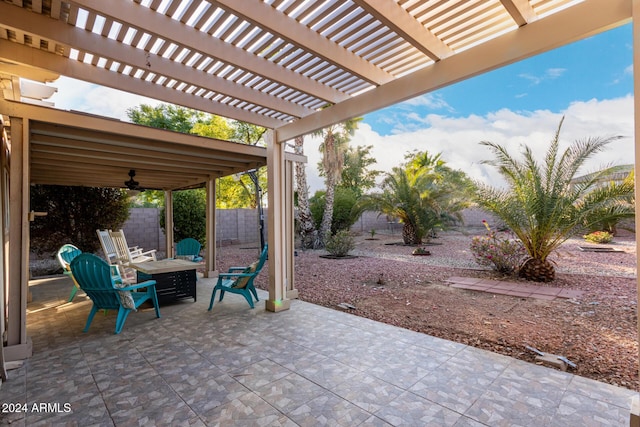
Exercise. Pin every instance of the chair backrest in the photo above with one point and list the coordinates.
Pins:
(107, 246)
(94, 276)
(66, 254)
(188, 246)
(121, 248)
(253, 269)
(263, 258)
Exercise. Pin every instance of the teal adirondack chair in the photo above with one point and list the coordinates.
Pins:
(65, 255)
(189, 247)
(239, 280)
(102, 283)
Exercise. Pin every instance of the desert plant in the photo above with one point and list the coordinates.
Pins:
(372, 232)
(501, 252)
(541, 204)
(598, 237)
(340, 244)
(425, 194)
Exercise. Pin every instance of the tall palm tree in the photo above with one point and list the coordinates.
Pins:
(335, 140)
(541, 205)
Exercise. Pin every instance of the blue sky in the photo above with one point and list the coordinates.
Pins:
(590, 82)
(595, 68)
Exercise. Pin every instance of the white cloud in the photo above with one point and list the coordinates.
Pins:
(549, 74)
(89, 98)
(458, 138)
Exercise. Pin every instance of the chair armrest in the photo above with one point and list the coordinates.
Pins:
(235, 274)
(232, 269)
(138, 285)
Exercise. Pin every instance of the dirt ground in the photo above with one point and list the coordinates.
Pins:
(597, 332)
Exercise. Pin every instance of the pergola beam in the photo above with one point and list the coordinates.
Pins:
(174, 31)
(399, 21)
(564, 27)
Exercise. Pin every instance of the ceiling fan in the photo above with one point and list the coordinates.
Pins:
(132, 184)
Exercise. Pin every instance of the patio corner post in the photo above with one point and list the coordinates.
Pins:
(18, 344)
(279, 258)
(168, 223)
(635, 406)
(211, 269)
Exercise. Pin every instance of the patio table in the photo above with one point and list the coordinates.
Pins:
(175, 278)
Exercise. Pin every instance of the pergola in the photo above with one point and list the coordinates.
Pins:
(292, 66)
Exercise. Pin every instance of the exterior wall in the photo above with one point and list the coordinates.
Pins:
(240, 226)
(143, 229)
(234, 226)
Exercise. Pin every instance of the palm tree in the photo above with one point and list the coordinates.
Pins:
(306, 227)
(424, 194)
(335, 143)
(542, 206)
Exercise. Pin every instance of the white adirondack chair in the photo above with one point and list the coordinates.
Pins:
(124, 255)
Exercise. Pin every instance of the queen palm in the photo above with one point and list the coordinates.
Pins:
(541, 205)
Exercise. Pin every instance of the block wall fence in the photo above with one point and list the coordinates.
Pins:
(240, 226)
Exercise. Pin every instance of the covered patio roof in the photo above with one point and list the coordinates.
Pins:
(73, 149)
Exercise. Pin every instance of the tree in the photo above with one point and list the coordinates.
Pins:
(356, 174)
(306, 227)
(233, 192)
(424, 193)
(542, 206)
(74, 214)
(335, 142)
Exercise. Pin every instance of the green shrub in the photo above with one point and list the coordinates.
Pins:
(189, 211)
(343, 203)
(340, 244)
(499, 252)
(598, 237)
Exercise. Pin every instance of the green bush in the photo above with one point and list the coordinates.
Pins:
(598, 237)
(344, 201)
(189, 211)
(74, 214)
(340, 244)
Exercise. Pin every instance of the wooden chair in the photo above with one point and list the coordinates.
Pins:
(124, 255)
(189, 247)
(65, 255)
(240, 283)
(109, 248)
(104, 286)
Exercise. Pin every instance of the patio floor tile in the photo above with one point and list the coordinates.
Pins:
(306, 366)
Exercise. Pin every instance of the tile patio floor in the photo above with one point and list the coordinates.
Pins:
(307, 366)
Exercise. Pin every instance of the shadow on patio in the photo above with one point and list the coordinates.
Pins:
(306, 366)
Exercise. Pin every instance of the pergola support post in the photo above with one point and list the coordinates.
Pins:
(211, 269)
(280, 259)
(18, 345)
(168, 223)
(292, 292)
